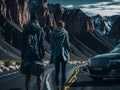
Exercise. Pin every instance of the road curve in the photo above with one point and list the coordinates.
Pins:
(84, 82)
(15, 80)
(77, 78)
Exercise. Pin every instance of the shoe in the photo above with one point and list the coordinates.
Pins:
(63, 87)
(58, 87)
(39, 87)
(27, 86)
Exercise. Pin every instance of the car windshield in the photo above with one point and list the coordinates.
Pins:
(116, 49)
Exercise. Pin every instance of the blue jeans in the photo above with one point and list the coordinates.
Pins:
(60, 63)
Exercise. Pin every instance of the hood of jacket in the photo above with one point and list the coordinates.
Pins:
(59, 32)
(33, 27)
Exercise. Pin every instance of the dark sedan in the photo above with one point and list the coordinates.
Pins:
(105, 65)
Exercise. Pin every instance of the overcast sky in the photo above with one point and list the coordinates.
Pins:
(92, 7)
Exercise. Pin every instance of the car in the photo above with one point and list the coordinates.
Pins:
(105, 65)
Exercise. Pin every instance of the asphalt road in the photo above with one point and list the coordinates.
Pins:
(15, 80)
(77, 79)
(84, 82)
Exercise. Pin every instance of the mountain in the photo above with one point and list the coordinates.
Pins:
(81, 27)
(103, 25)
(107, 27)
(15, 10)
(85, 42)
(115, 31)
(10, 34)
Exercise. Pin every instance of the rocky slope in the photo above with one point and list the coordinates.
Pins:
(15, 10)
(115, 31)
(85, 42)
(8, 40)
(11, 32)
(103, 25)
(108, 27)
(80, 26)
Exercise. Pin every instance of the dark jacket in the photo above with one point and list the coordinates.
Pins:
(33, 28)
(59, 44)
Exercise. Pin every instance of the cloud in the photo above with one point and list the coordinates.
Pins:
(102, 8)
(68, 6)
(116, 0)
(92, 12)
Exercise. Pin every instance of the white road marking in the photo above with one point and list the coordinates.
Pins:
(8, 74)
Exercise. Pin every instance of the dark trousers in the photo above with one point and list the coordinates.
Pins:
(27, 81)
(60, 63)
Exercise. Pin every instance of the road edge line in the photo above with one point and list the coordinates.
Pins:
(8, 74)
(72, 79)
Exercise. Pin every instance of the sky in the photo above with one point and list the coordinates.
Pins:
(92, 7)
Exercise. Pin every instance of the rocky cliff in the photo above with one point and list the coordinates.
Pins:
(15, 10)
(76, 21)
(108, 27)
(81, 30)
(115, 31)
(85, 42)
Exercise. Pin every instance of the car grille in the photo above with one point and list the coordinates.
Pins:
(103, 72)
(99, 63)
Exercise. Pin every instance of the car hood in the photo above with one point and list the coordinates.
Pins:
(107, 56)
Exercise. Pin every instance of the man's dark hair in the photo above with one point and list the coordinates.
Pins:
(60, 23)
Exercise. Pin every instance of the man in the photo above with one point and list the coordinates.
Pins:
(60, 55)
(33, 51)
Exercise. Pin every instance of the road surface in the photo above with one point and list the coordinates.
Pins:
(15, 80)
(84, 82)
(77, 79)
